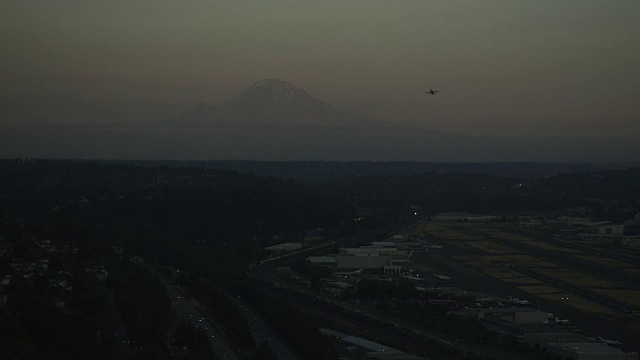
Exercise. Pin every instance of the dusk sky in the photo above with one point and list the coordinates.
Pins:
(549, 67)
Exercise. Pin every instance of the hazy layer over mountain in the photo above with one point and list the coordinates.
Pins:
(270, 102)
(275, 120)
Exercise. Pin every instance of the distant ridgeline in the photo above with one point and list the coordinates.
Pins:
(314, 171)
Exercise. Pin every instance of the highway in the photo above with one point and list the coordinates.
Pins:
(262, 331)
(188, 310)
(121, 331)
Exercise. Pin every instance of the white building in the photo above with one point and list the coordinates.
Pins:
(601, 228)
(518, 315)
(363, 262)
(610, 229)
(322, 260)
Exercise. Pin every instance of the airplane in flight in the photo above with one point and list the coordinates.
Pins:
(432, 92)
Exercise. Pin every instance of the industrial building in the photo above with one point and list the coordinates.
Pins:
(535, 335)
(367, 250)
(560, 342)
(600, 228)
(590, 351)
(322, 260)
(518, 315)
(380, 255)
(542, 340)
(362, 262)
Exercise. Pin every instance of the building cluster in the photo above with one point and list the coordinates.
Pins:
(392, 256)
(585, 228)
(21, 270)
(542, 330)
(514, 318)
(625, 234)
(378, 258)
(582, 226)
(348, 265)
(588, 229)
(558, 340)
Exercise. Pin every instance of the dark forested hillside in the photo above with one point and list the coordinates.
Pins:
(73, 287)
(190, 204)
(481, 192)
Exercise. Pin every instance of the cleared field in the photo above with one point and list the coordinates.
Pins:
(540, 289)
(551, 247)
(489, 229)
(419, 230)
(492, 247)
(501, 273)
(463, 245)
(528, 240)
(635, 271)
(631, 297)
(485, 264)
(523, 280)
(554, 294)
(512, 236)
(527, 261)
(488, 261)
(423, 267)
(579, 303)
(431, 227)
(509, 276)
(609, 262)
(461, 267)
(461, 223)
(577, 278)
(480, 260)
(450, 234)
(475, 260)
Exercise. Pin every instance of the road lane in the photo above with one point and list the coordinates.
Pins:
(262, 331)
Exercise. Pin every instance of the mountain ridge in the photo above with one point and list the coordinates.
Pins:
(270, 102)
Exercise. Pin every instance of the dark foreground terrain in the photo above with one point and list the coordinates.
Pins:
(175, 260)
